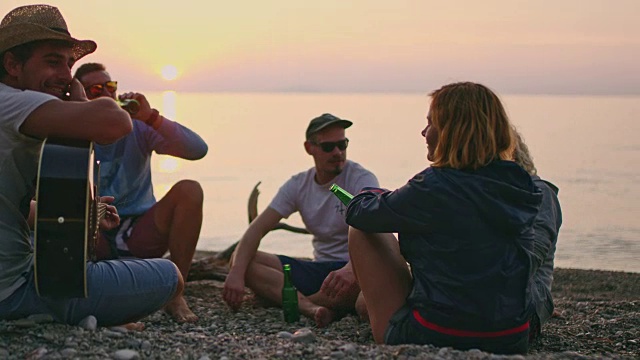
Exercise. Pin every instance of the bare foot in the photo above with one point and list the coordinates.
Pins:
(134, 326)
(323, 316)
(179, 310)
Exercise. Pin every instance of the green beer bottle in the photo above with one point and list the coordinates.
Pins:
(132, 106)
(289, 297)
(341, 193)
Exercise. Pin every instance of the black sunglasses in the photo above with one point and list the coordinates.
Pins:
(328, 146)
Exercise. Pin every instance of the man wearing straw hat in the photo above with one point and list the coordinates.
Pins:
(37, 54)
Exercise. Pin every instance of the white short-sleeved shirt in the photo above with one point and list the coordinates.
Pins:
(322, 212)
(18, 169)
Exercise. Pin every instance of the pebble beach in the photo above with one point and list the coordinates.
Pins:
(597, 317)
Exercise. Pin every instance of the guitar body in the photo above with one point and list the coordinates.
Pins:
(65, 224)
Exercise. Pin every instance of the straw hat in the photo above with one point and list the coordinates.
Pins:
(39, 22)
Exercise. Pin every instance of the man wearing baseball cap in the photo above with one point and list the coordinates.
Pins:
(326, 285)
(39, 99)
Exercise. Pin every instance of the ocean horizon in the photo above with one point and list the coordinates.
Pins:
(585, 144)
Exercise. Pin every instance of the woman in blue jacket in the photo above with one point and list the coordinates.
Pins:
(464, 227)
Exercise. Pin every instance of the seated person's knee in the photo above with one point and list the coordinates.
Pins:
(189, 191)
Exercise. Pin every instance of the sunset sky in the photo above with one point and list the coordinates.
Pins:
(515, 46)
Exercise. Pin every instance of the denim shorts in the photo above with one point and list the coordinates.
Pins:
(308, 276)
(404, 328)
(119, 291)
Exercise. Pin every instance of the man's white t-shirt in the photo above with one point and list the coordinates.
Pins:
(18, 168)
(322, 212)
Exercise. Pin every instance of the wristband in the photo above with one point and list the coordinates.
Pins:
(154, 119)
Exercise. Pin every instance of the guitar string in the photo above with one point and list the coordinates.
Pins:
(102, 210)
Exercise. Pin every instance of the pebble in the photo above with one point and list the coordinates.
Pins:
(37, 353)
(348, 349)
(506, 357)
(304, 335)
(41, 318)
(284, 335)
(133, 343)
(112, 334)
(126, 354)
(24, 323)
(444, 353)
(475, 354)
(120, 329)
(89, 323)
(68, 352)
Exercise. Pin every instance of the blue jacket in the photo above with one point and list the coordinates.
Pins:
(546, 228)
(468, 238)
(125, 165)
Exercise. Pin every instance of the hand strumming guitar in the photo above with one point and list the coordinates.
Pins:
(111, 219)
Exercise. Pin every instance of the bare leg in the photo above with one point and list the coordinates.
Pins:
(361, 308)
(265, 277)
(179, 295)
(178, 215)
(383, 276)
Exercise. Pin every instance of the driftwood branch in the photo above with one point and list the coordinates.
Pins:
(215, 267)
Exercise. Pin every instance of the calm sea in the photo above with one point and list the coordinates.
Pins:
(588, 146)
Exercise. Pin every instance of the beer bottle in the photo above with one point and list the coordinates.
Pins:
(131, 106)
(341, 193)
(289, 297)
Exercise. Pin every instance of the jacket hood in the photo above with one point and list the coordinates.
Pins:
(503, 194)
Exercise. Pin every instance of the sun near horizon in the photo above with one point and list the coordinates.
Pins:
(169, 72)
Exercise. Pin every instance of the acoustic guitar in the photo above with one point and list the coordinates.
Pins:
(66, 219)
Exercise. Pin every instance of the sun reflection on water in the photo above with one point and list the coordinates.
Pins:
(169, 108)
(165, 163)
(169, 165)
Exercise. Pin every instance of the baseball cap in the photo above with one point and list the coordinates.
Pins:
(323, 121)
